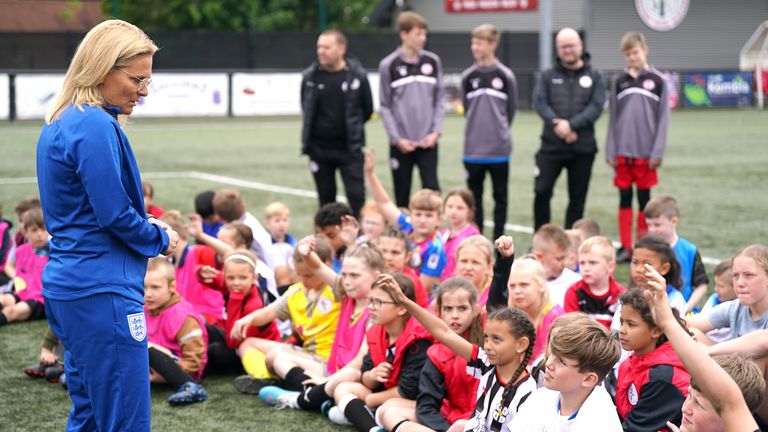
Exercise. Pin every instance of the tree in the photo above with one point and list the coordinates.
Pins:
(242, 15)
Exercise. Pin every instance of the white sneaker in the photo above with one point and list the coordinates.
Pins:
(338, 417)
(288, 400)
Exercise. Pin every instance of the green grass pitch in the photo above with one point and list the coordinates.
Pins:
(715, 165)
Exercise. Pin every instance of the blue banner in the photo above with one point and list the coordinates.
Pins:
(718, 89)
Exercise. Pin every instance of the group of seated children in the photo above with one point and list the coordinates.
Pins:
(393, 324)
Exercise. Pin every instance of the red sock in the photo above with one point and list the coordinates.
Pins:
(625, 227)
(642, 228)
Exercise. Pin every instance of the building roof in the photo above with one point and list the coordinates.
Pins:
(49, 15)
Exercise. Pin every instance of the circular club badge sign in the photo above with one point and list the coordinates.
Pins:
(662, 15)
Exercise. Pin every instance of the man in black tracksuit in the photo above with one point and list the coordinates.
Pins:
(336, 101)
(569, 98)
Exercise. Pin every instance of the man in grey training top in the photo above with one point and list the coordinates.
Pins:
(411, 95)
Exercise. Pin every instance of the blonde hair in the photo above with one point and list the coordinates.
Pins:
(241, 257)
(479, 241)
(576, 238)
(487, 32)
(276, 209)
(631, 40)
(529, 265)
(599, 245)
(162, 266)
(549, 235)
(758, 253)
(109, 45)
(426, 200)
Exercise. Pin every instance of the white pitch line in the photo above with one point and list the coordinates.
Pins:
(282, 190)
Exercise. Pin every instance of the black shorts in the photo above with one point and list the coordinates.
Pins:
(36, 309)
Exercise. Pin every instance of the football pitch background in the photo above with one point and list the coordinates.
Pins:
(715, 165)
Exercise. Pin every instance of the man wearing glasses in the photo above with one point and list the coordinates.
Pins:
(569, 98)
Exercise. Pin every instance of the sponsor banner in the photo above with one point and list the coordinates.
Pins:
(266, 94)
(185, 95)
(5, 97)
(718, 89)
(469, 6)
(256, 94)
(35, 94)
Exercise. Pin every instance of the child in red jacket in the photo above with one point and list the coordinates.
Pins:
(652, 383)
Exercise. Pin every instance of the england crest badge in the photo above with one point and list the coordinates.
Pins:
(137, 326)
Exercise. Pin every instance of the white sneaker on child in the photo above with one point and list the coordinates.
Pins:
(288, 400)
(337, 416)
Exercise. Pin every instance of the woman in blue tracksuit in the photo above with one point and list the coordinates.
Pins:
(92, 199)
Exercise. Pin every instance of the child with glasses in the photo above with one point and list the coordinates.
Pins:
(397, 351)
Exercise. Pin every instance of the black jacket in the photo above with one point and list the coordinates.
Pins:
(358, 108)
(575, 95)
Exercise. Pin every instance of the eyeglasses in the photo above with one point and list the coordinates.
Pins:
(374, 303)
(141, 83)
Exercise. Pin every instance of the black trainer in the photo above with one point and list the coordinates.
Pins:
(250, 385)
(623, 255)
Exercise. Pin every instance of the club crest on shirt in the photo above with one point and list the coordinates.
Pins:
(427, 69)
(402, 70)
(649, 84)
(324, 305)
(632, 394)
(585, 81)
(137, 325)
(497, 83)
(355, 84)
(433, 260)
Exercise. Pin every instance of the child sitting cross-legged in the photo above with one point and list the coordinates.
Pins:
(361, 264)
(313, 309)
(446, 392)
(500, 364)
(25, 267)
(176, 334)
(397, 350)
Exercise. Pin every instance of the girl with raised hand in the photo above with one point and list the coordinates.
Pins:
(446, 392)
(397, 350)
(360, 266)
(500, 364)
